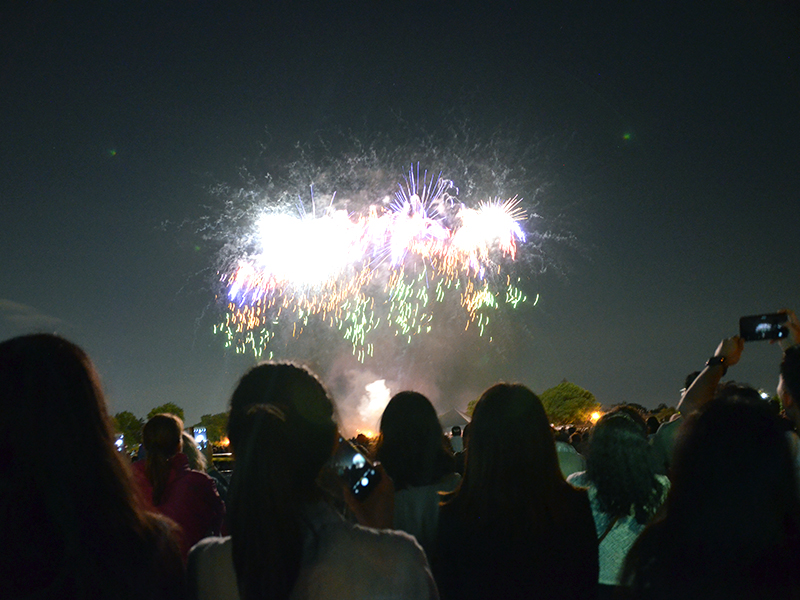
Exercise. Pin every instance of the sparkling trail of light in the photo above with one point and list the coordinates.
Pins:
(327, 268)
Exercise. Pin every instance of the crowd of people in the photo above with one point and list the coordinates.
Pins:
(707, 507)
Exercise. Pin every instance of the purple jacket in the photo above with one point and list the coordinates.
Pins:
(191, 500)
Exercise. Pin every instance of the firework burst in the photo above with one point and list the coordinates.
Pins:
(383, 269)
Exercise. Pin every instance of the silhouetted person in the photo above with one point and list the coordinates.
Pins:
(286, 540)
(730, 527)
(416, 455)
(514, 528)
(663, 441)
(171, 488)
(456, 441)
(624, 489)
(71, 524)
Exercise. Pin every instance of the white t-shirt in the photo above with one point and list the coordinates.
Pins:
(346, 561)
(416, 509)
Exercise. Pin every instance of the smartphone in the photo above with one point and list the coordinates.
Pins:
(355, 469)
(763, 327)
(200, 435)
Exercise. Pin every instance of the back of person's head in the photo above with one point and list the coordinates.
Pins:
(282, 441)
(50, 387)
(412, 446)
(733, 462)
(689, 379)
(455, 431)
(282, 384)
(161, 437)
(652, 424)
(511, 468)
(71, 522)
(737, 392)
(197, 460)
(619, 465)
(790, 372)
(731, 523)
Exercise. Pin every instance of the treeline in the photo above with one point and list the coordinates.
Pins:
(570, 404)
(130, 426)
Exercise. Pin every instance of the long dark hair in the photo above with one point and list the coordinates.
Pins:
(412, 446)
(731, 522)
(282, 442)
(512, 468)
(619, 465)
(161, 437)
(72, 526)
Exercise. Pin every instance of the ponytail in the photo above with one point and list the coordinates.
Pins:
(264, 512)
(282, 420)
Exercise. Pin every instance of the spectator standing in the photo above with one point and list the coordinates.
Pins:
(789, 394)
(730, 527)
(456, 441)
(729, 353)
(170, 487)
(623, 488)
(286, 541)
(72, 528)
(415, 453)
(514, 528)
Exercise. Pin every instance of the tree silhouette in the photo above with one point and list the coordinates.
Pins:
(216, 426)
(169, 407)
(130, 426)
(568, 403)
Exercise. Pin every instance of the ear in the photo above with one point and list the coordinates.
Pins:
(785, 395)
(790, 407)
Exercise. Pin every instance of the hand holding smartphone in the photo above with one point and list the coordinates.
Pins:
(355, 469)
(770, 326)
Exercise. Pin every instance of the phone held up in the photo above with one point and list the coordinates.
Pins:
(763, 327)
(355, 469)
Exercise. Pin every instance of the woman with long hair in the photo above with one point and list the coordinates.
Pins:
(730, 526)
(170, 487)
(414, 452)
(286, 541)
(71, 524)
(514, 528)
(624, 489)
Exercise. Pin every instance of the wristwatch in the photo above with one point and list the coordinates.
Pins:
(718, 360)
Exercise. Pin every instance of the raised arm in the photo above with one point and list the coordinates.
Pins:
(702, 389)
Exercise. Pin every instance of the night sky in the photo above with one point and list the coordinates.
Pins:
(660, 142)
